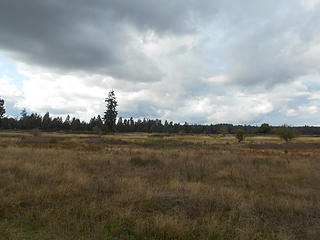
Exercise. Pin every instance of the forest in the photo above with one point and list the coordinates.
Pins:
(111, 123)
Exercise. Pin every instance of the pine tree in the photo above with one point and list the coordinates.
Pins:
(23, 119)
(46, 121)
(67, 123)
(2, 109)
(111, 113)
(120, 125)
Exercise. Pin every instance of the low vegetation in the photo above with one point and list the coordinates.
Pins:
(240, 135)
(56, 186)
(286, 133)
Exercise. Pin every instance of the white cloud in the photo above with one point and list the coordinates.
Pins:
(8, 89)
(214, 61)
(310, 3)
(291, 113)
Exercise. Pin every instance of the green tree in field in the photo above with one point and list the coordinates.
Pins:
(264, 128)
(240, 135)
(111, 113)
(286, 133)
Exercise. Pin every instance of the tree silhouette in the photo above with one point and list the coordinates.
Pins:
(2, 109)
(111, 113)
(46, 121)
(67, 123)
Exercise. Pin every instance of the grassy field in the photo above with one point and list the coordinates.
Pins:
(140, 186)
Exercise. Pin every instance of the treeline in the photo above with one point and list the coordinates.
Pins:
(123, 125)
(110, 123)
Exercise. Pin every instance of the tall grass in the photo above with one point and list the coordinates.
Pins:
(128, 191)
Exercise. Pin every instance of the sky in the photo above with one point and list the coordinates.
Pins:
(208, 61)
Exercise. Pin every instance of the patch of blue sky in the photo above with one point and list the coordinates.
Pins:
(11, 109)
(9, 70)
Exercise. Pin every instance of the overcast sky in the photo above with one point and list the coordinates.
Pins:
(208, 61)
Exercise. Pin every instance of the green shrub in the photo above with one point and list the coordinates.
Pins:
(240, 135)
(286, 133)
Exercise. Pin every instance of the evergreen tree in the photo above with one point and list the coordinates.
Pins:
(99, 122)
(120, 125)
(76, 124)
(2, 111)
(57, 123)
(23, 119)
(111, 113)
(67, 123)
(46, 121)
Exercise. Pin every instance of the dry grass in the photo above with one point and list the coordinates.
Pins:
(95, 188)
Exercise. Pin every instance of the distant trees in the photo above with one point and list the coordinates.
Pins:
(96, 124)
(111, 113)
(47, 122)
(29, 121)
(264, 128)
(108, 123)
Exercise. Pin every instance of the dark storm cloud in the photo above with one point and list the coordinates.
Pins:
(50, 33)
(186, 60)
(262, 41)
(92, 36)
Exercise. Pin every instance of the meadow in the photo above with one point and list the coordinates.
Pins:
(164, 187)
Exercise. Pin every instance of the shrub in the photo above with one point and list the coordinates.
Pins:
(286, 133)
(240, 135)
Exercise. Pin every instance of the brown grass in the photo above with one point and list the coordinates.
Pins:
(101, 189)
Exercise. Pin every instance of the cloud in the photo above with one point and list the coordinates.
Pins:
(103, 37)
(8, 90)
(196, 61)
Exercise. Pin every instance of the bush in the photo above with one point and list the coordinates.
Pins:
(240, 135)
(286, 133)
